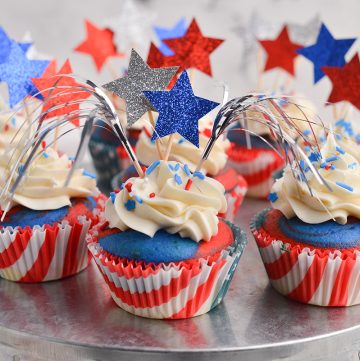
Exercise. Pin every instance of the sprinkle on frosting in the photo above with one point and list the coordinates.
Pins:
(152, 167)
(178, 179)
(112, 197)
(89, 174)
(345, 186)
(199, 174)
(273, 197)
(130, 205)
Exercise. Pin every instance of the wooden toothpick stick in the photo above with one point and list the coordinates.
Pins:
(157, 141)
(169, 146)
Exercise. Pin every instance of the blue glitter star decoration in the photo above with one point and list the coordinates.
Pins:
(5, 45)
(327, 51)
(17, 71)
(179, 110)
(178, 31)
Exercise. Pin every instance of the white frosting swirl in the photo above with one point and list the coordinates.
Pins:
(341, 172)
(162, 203)
(184, 152)
(42, 186)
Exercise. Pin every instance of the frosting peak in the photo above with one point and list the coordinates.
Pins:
(340, 170)
(162, 200)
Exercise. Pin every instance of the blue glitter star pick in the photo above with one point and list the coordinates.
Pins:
(5, 45)
(179, 110)
(25, 46)
(17, 72)
(178, 31)
(327, 51)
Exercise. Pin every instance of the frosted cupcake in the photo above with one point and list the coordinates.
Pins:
(43, 233)
(166, 253)
(184, 152)
(260, 161)
(309, 242)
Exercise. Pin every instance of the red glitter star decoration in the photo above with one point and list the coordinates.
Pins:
(345, 82)
(99, 43)
(281, 52)
(56, 96)
(191, 51)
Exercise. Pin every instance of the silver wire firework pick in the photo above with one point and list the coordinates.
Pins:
(28, 142)
(283, 129)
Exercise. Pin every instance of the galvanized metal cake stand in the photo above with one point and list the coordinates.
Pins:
(75, 319)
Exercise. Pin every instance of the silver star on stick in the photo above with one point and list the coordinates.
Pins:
(305, 34)
(140, 77)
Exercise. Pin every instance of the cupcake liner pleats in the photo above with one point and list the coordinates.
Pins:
(234, 199)
(49, 252)
(169, 291)
(314, 276)
(257, 167)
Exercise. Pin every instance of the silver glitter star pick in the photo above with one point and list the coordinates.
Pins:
(256, 28)
(305, 34)
(140, 77)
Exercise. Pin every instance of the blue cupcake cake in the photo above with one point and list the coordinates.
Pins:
(310, 240)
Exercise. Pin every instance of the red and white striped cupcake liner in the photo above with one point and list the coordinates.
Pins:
(257, 166)
(170, 291)
(49, 252)
(235, 189)
(313, 276)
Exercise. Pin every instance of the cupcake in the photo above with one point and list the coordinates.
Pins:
(184, 152)
(258, 162)
(309, 242)
(44, 225)
(166, 254)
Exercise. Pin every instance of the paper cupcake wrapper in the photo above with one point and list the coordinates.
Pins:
(319, 277)
(170, 291)
(234, 199)
(46, 253)
(257, 171)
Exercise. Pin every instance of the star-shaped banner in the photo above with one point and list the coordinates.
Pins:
(327, 51)
(281, 52)
(191, 51)
(345, 82)
(17, 72)
(178, 31)
(54, 93)
(307, 33)
(179, 110)
(140, 77)
(99, 44)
